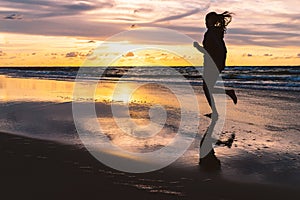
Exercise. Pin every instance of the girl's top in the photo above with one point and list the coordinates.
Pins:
(214, 44)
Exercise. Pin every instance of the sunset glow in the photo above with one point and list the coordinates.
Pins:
(64, 33)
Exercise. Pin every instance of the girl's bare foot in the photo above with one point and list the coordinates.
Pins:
(227, 143)
(232, 95)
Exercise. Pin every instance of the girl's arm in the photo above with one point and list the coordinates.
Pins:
(199, 48)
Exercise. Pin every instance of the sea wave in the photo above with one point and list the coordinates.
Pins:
(269, 78)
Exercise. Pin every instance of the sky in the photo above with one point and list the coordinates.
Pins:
(66, 32)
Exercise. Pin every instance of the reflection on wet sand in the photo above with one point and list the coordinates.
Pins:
(144, 103)
(31, 90)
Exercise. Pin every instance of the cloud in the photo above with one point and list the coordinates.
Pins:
(268, 55)
(175, 17)
(82, 54)
(241, 35)
(298, 55)
(81, 6)
(262, 37)
(13, 16)
(288, 57)
(280, 27)
(72, 54)
(143, 10)
(2, 53)
(261, 32)
(94, 57)
(36, 9)
(129, 54)
(66, 27)
(291, 26)
(247, 55)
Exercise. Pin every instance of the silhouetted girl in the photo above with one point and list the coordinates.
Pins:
(215, 46)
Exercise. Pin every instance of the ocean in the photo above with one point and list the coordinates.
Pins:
(285, 78)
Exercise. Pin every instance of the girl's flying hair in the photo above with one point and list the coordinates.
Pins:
(218, 20)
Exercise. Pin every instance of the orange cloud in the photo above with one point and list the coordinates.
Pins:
(129, 54)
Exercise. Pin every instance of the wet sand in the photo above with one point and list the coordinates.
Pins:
(37, 169)
(263, 162)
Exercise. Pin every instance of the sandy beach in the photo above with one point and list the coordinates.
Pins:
(35, 169)
(43, 157)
